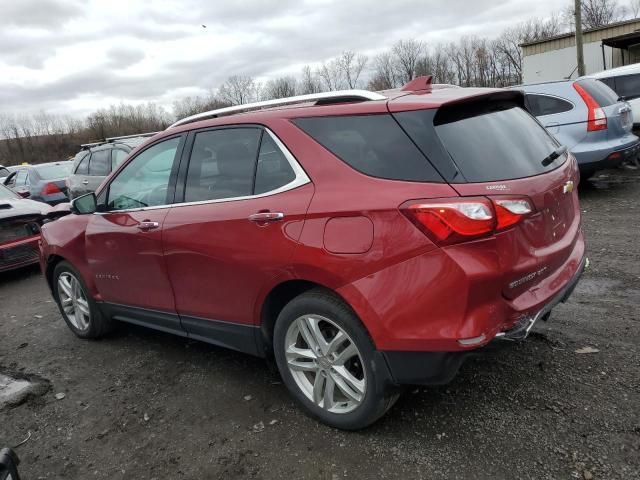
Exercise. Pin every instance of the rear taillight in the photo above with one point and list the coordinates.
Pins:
(596, 118)
(51, 188)
(455, 220)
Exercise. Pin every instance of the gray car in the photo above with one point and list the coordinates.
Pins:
(588, 118)
(44, 182)
(97, 160)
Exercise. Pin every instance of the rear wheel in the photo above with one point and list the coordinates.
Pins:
(329, 363)
(77, 307)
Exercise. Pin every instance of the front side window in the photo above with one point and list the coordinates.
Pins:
(83, 166)
(144, 182)
(100, 163)
(222, 164)
(541, 105)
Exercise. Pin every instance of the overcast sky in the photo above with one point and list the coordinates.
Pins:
(74, 56)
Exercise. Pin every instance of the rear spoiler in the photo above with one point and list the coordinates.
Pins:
(474, 105)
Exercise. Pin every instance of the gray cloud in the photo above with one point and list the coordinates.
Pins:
(252, 37)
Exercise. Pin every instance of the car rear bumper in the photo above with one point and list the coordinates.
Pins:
(438, 368)
(19, 253)
(598, 156)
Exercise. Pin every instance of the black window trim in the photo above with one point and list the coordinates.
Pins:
(301, 178)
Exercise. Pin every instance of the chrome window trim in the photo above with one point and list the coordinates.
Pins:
(301, 178)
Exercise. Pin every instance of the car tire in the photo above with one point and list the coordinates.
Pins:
(78, 309)
(346, 385)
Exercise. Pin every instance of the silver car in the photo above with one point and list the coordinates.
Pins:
(97, 160)
(588, 118)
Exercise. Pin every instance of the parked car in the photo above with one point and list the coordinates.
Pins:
(97, 160)
(44, 182)
(364, 241)
(586, 117)
(625, 81)
(20, 221)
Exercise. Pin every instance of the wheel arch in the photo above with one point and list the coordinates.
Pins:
(279, 296)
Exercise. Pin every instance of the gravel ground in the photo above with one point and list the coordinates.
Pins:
(142, 404)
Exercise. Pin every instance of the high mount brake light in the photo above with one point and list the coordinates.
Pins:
(596, 118)
(448, 221)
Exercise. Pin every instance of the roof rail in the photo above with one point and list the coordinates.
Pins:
(113, 139)
(329, 97)
(135, 135)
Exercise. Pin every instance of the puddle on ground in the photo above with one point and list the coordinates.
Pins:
(597, 286)
(14, 391)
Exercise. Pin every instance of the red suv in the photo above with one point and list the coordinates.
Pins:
(363, 240)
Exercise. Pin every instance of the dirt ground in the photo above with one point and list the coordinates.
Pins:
(146, 405)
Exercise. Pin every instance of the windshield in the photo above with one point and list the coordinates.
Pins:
(6, 194)
(497, 144)
(54, 170)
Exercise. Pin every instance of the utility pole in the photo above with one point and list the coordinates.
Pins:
(579, 49)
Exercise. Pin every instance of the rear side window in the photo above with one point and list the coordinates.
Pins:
(540, 105)
(372, 144)
(628, 86)
(222, 164)
(491, 145)
(599, 91)
(100, 163)
(273, 170)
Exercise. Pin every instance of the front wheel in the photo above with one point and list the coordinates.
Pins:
(77, 307)
(329, 363)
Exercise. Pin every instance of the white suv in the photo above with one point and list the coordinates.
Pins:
(625, 81)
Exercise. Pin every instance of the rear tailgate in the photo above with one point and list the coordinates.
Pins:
(500, 151)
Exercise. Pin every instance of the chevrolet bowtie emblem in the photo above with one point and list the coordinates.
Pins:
(567, 187)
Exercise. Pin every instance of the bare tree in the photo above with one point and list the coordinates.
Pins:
(238, 89)
(188, 106)
(330, 75)
(351, 65)
(280, 87)
(634, 8)
(309, 82)
(383, 77)
(406, 54)
(596, 13)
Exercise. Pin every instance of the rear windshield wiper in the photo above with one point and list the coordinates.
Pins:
(553, 155)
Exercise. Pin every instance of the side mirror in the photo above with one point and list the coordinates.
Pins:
(84, 204)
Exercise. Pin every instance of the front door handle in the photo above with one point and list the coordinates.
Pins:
(147, 225)
(85, 182)
(264, 217)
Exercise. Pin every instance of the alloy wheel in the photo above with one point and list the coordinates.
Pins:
(74, 301)
(325, 364)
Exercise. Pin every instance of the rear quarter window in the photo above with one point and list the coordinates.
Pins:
(372, 144)
(628, 86)
(541, 105)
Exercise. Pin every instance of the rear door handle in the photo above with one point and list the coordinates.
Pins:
(147, 225)
(85, 182)
(264, 217)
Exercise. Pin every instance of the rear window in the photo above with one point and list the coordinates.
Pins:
(599, 91)
(496, 144)
(372, 144)
(49, 172)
